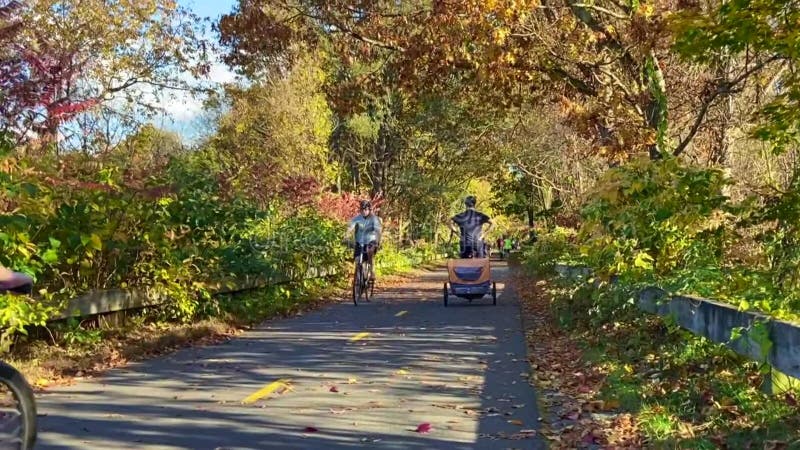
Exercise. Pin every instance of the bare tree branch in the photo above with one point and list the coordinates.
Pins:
(724, 87)
(600, 9)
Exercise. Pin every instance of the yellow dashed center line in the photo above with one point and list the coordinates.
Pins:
(401, 313)
(266, 390)
(359, 336)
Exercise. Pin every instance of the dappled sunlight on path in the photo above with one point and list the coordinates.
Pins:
(342, 377)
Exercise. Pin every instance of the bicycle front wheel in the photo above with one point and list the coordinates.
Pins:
(366, 282)
(357, 284)
(17, 410)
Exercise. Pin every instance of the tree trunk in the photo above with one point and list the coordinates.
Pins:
(721, 143)
(379, 161)
(656, 109)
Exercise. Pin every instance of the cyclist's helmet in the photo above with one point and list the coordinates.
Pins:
(366, 204)
(470, 201)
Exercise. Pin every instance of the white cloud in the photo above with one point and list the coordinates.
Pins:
(220, 73)
(182, 107)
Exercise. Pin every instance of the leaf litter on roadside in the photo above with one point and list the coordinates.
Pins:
(567, 385)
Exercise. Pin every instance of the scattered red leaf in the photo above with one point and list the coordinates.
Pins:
(333, 389)
(424, 428)
(310, 430)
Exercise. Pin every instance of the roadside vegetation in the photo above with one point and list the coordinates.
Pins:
(654, 142)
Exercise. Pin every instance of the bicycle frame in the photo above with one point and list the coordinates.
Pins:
(362, 285)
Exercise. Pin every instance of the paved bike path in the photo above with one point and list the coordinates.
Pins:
(395, 363)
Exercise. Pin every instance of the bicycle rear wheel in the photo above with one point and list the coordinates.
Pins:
(357, 284)
(17, 410)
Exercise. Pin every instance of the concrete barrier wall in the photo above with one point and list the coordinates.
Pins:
(102, 302)
(718, 321)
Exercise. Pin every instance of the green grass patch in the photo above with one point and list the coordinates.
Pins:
(657, 422)
(684, 391)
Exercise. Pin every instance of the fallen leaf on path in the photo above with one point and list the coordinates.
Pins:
(424, 428)
(515, 422)
(774, 445)
(611, 404)
(352, 380)
(596, 405)
(527, 434)
(333, 389)
(310, 430)
(588, 439)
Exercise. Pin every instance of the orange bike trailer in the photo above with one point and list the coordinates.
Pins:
(469, 278)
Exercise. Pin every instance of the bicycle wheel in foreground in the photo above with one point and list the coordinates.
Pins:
(17, 410)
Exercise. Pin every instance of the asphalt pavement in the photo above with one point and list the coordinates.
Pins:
(343, 377)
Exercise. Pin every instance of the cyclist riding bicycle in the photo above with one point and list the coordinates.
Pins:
(16, 282)
(469, 224)
(368, 230)
(18, 420)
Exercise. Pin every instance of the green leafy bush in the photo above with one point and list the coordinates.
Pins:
(557, 246)
(668, 224)
(174, 235)
(392, 259)
(650, 218)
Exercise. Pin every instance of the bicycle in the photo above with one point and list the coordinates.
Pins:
(17, 403)
(362, 284)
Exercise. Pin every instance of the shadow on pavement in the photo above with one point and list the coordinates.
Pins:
(461, 369)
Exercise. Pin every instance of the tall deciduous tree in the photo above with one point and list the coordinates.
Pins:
(278, 129)
(71, 55)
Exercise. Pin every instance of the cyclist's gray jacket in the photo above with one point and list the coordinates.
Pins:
(369, 228)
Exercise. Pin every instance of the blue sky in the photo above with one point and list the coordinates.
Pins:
(208, 8)
(182, 110)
